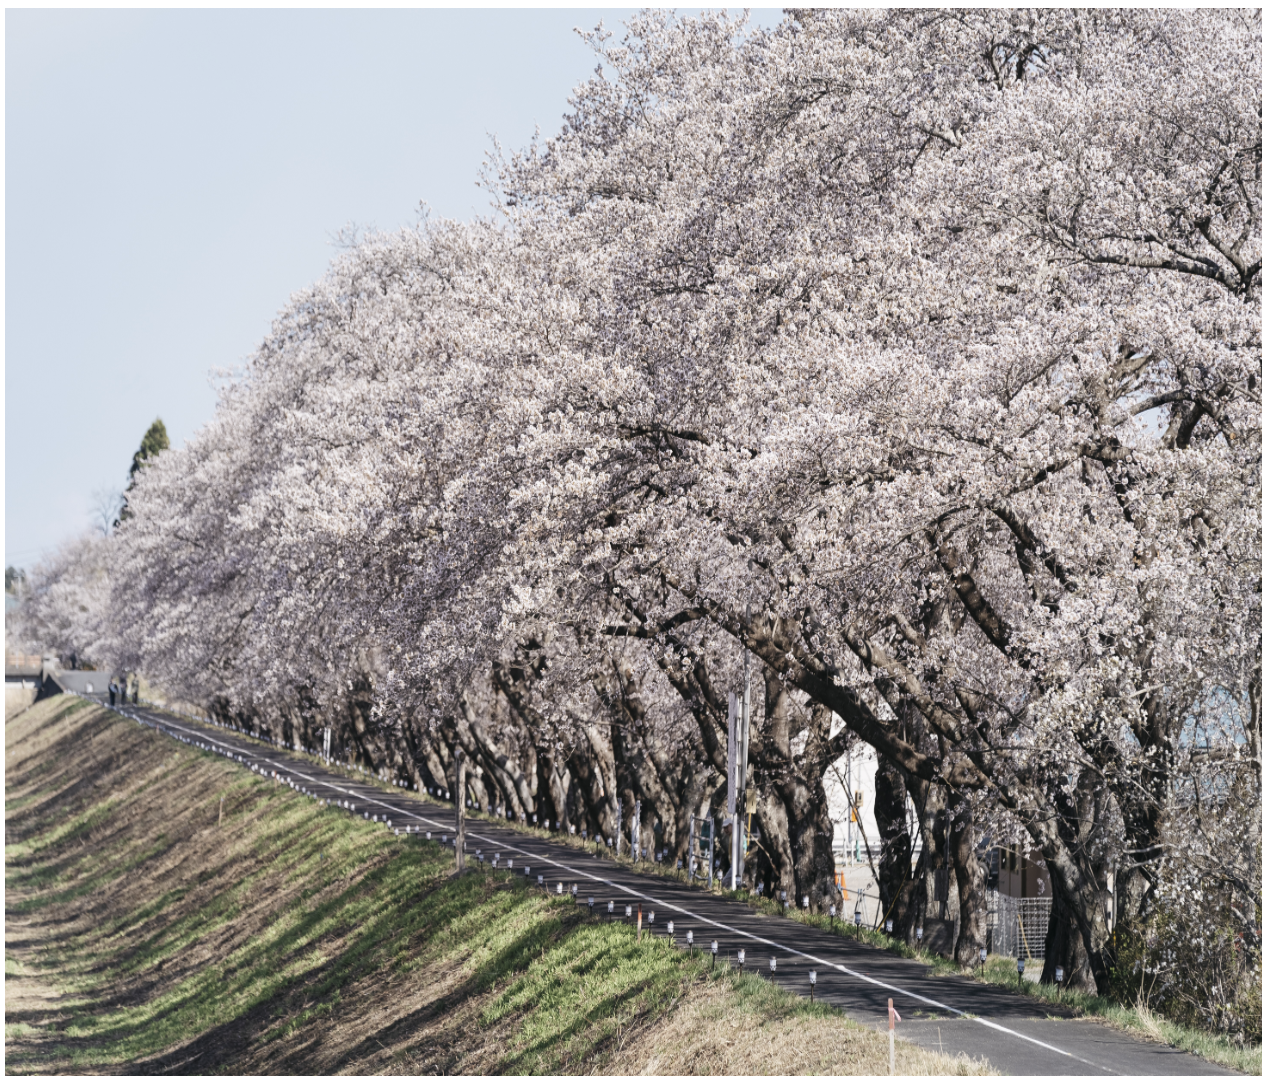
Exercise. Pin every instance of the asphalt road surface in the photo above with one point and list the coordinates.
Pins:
(1017, 1035)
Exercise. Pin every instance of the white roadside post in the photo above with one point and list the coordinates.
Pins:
(894, 1018)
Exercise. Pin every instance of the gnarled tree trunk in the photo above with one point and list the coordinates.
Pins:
(970, 883)
(889, 807)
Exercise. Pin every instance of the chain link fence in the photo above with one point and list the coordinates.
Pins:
(1017, 926)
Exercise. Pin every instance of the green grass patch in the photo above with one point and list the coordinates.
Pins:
(1002, 971)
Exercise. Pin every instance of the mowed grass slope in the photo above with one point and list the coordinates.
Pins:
(142, 934)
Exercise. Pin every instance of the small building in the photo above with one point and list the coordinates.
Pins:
(1013, 873)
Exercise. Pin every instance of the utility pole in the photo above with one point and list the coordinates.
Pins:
(459, 809)
(692, 824)
(710, 870)
(738, 766)
(740, 805)
(851, 816)
(734, 712)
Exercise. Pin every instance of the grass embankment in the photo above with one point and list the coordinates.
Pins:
(145, 934)
(1002, 971)
(998, 970)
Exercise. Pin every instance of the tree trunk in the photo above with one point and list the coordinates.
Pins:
(1064, 948)
(603, 762)
(930, 801)
(815, 866)
(697, 785)
(587, 789)
(777, 867)
(632, 748)
(444, 752)
(1082, 887)
(434, 765)
(970, 882)
(551, 804)
(894, 872)
(797, 831)
(508, 775)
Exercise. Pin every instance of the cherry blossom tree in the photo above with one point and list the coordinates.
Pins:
(63, 609)
(887, 330)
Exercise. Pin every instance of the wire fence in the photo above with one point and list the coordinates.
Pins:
(1017, 926)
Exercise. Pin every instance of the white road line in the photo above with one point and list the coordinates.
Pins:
(664, 903)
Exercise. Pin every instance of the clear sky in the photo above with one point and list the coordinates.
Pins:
(171, 177)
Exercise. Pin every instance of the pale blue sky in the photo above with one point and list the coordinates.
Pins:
(171, 177)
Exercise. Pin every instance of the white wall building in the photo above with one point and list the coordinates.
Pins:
(850, 784)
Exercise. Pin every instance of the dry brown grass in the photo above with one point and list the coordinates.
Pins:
(712, 1033)
(17, 698)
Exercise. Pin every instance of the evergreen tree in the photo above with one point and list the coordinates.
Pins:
(154, 442)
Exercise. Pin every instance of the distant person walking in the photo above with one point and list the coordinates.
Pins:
(113, 691)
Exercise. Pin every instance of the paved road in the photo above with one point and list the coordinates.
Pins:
(1018, 1035)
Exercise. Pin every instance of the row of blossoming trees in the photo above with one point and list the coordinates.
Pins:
(915, 353)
